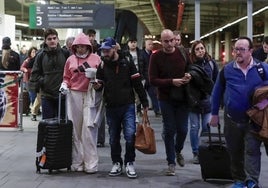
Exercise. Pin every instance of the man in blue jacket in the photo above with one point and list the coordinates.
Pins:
(237, 82)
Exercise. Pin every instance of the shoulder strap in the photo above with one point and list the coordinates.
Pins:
(66, 53)
(183, 53)
(260, 70)
(222, 77)
(211, 65)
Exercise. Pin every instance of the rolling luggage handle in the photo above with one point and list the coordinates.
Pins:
(59, 111)
(219, 135)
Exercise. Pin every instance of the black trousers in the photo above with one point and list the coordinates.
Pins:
(101, 132)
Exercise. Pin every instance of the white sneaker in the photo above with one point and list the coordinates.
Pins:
(130, 170)
(116, 170)
(77, 169)
(171, 170)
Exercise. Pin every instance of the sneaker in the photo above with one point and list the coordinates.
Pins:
(77, 169)
(90, 171)
(116, 170)
(100, 145)
(130, 170)
(171, 170)
(139, 114)
(33, 118)
(252, 184)
(180, 159)
(238, 184)
(195, 159)
(158, 114)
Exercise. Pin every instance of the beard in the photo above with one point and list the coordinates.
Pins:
(109, 58)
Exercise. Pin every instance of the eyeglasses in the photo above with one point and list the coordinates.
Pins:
(52, 38)
(167, 41)
(199, 48)
(241, 50)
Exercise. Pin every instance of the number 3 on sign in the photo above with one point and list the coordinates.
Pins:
(38, 20)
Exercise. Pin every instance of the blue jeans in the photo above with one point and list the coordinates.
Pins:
(244, 149)
(153, 96)
(32, 96)
(195, 120)
(119, 118)
(175, 127)
(50, 107)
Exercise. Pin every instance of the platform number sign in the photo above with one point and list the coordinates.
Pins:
(72, 16)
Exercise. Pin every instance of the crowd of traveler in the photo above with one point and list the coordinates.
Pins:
(185, 88)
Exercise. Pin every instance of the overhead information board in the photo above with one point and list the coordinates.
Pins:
(72, 16)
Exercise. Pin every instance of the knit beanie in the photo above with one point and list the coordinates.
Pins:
(6, 43)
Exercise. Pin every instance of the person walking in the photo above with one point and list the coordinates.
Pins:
(136, 55)
(9, 59)
(26, 68)
(262, 52)
(68, 43)
(236, 83)
(119, 78)
(91, 33)
(168, 72)
(81, 100)
(47, 74)
(151, 90)
(200, 113)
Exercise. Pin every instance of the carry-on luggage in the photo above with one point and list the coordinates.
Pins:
(54, 143)
(213, 156)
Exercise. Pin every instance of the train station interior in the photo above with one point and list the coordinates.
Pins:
(217, 22)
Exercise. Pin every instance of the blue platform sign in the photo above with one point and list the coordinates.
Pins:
(72, 16)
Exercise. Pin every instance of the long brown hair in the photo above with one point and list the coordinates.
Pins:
(5, 57)
(193, 57)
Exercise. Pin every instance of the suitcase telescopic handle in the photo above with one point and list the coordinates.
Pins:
(59, 108)
(219, 134)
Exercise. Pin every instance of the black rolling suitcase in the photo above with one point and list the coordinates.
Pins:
(54, 144)
(213, 156)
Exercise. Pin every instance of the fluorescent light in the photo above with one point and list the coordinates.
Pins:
(234, 22)
(22, 24)
(43, 2)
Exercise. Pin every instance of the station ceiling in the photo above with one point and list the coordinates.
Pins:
(159, 14)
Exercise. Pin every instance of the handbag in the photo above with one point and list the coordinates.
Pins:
(145, 137)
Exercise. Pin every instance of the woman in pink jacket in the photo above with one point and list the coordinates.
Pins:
(78, 89)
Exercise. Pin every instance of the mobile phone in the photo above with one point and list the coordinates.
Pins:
(93, 81)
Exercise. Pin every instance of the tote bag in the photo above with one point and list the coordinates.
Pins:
(145, 137)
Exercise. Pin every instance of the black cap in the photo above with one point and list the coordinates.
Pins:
(6, 43)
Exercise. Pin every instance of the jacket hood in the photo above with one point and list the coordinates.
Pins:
(81, 39)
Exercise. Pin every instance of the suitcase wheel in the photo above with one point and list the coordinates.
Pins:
(69, 169)
(50, 171)
(38, 171)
